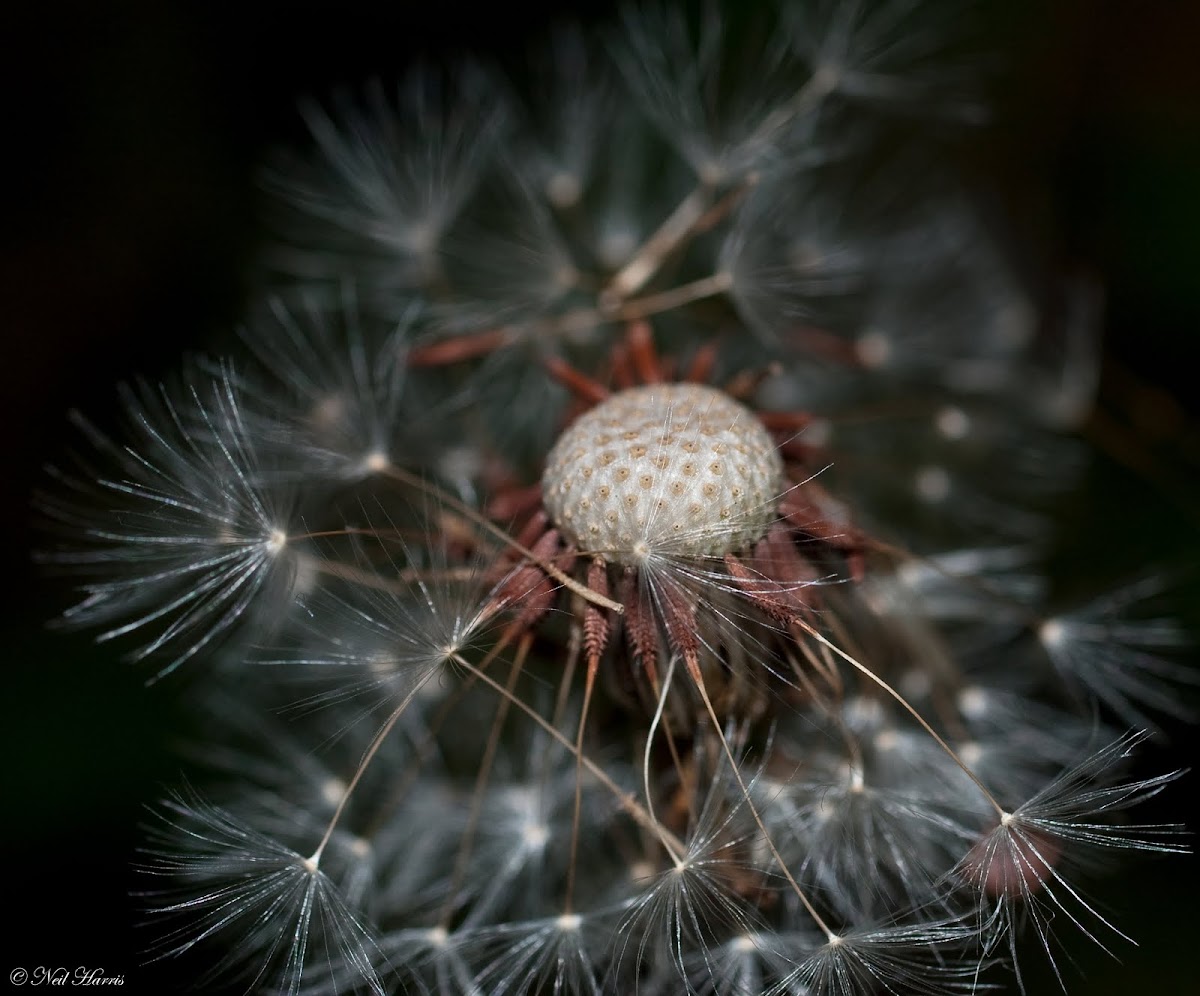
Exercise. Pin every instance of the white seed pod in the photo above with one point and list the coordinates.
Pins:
(667, 469)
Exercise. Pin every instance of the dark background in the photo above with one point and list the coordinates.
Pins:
(132, 132)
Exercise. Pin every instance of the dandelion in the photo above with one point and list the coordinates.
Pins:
(346, 386)
(1023, 867)
(621, 564)
(230, 879)
(180, 529)
(696, 901)
(1119, 656)
(898, 959)
(558, 954)
(385, 184)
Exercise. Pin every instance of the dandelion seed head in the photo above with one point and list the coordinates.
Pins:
(827, 76)
(355, 505)
(682, 469)
(332, 791)
(911, 574)
(1016, 322)
(873, 349)
(1052, 633)
(328, 412)
(563, 189)
(569, 922)
(534, 836)
(566, 277)
(932, 485)
(616, 245)
(711, 171)
(973, 702)
(853, 775)
(915, 684)
(744, 944)
(376, 462)
(818, 432)
(887, 740)
(863, 713)
(952, 423)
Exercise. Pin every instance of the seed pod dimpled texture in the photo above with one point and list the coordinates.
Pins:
(679, 470)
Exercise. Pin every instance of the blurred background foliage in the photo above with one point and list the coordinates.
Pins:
(134, 129)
